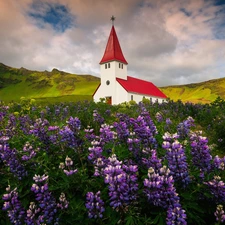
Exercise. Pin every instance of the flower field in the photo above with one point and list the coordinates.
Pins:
(93, 163)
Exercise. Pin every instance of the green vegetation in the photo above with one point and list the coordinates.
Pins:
(129, 164)
(204, 92)
(17, 83)
(55, 85)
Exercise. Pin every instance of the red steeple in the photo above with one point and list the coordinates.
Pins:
(113, 50)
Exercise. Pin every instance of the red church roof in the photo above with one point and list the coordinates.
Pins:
(113, 50)
(140, 87)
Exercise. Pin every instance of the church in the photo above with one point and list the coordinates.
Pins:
(116, 86)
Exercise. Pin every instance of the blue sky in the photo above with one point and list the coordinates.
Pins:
(165, 42)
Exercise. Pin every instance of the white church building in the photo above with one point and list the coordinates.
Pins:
(116, 86)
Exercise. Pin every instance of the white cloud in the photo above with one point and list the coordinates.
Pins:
(164, 42)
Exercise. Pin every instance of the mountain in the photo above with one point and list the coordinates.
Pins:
(17, 83)
(203, 92)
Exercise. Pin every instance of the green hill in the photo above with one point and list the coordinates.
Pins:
(204, 92)
(58, 85)
(17, 83)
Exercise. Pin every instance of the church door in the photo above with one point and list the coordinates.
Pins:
(109, 100)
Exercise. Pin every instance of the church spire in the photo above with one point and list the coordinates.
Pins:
(113, 51)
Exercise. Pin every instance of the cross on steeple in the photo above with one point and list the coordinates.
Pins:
(113, 18)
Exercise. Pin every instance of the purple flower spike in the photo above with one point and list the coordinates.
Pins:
(220, 215)
(94, 205)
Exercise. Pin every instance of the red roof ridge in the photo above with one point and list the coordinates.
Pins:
(113, 51)
(139, 86)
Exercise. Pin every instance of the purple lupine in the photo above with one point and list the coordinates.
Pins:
(40, 129)
(94, 205)
(106, 134)
(53, 132)
(151, 159)
(159, 116)
(219, 163)
(176, 216)
(177, 161)
(68, 170)
(201, 157)
(121, 180)
(32, 213)
(122, 130)
(145, 129)
(89, 133)
(13, 206)
(160, 190)
(25, 122)
(217, 188)
(46, 202)
(74, 124)
(97, 117)
(30, 152)
(219, 214)
(63, 202)
(183, 128)
(11, 158)
(96, 157)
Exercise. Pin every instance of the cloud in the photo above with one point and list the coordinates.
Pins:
(166, 42)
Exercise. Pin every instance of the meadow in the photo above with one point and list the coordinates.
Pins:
(94, 163)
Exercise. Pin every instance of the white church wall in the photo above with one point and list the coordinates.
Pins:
(121, 94)
(121, 70)
(138, 97)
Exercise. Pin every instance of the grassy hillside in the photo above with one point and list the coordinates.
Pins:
(17, 83)
(204, 92)
(61, 86)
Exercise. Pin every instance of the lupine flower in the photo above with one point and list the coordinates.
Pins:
(95, 205)
(68, 163)
(183, 129)
(151, 159)
(160, 190)
(13, 206)
(121, 130)
(28, 148)
(220, 215)
(176, 216)
(32, 214)
(177, 162)
(63, 202)
(10, 158)
(201, 157)
(219, 163)
(106, 134)
(97, 117)
(122, 183)
(46, 202)
(40, 129)
(217, 188)
(159, 117)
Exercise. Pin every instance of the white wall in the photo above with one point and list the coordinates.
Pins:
(110, 75)
(138, 97)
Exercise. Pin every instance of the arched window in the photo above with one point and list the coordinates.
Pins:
(106, 66)
(122, 66)
(119, 65)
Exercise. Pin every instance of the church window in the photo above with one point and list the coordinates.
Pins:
(119, 65)
(131, 97)
(107, 82)
(122, 66)
(106, 66)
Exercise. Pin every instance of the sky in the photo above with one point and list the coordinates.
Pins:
(167, 42)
